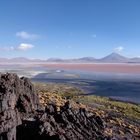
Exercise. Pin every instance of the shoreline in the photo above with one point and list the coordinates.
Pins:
(123, 101)
(116, 68)
(86, 94)
(130, 68)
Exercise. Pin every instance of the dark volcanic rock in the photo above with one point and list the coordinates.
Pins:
(17, 101)
(21, 117)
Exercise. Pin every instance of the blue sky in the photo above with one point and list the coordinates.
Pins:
(69, 28)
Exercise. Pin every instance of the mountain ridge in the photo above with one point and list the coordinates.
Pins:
(111, 58)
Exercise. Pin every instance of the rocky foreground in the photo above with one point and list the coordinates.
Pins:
(22, 117)
(26, 116)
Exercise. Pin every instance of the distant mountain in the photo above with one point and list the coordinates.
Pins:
(111, 58)
(54, 60)
(114, 57)
(3, 59)
(134, 60)
(87, 59)
(78, 60)
(20, 59)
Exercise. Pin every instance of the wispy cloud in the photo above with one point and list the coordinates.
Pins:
(93, 35)
(26, 35)
(118, 49)
(20, 47)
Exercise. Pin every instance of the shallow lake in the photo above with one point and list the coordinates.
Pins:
(118, 86)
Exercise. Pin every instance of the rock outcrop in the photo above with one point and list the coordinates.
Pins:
(17, 102)
(22, 118)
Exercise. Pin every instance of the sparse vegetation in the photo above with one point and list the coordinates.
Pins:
(64, 90)
(127, 109)
(116, 114)
(103, 103)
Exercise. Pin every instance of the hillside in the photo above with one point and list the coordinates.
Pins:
(121, 120)
(23, 118)
(54, 111)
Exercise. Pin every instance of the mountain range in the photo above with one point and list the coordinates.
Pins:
(111, 58)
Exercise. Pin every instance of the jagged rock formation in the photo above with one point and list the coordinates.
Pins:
(17, 102)
(22, 118)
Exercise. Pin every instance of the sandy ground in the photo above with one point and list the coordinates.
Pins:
(119, 68)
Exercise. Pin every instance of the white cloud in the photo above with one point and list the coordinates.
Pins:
(26, 35)
(24, 47)
(21, 47)
(118, 49)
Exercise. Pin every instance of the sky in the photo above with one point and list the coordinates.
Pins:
(69, 28)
